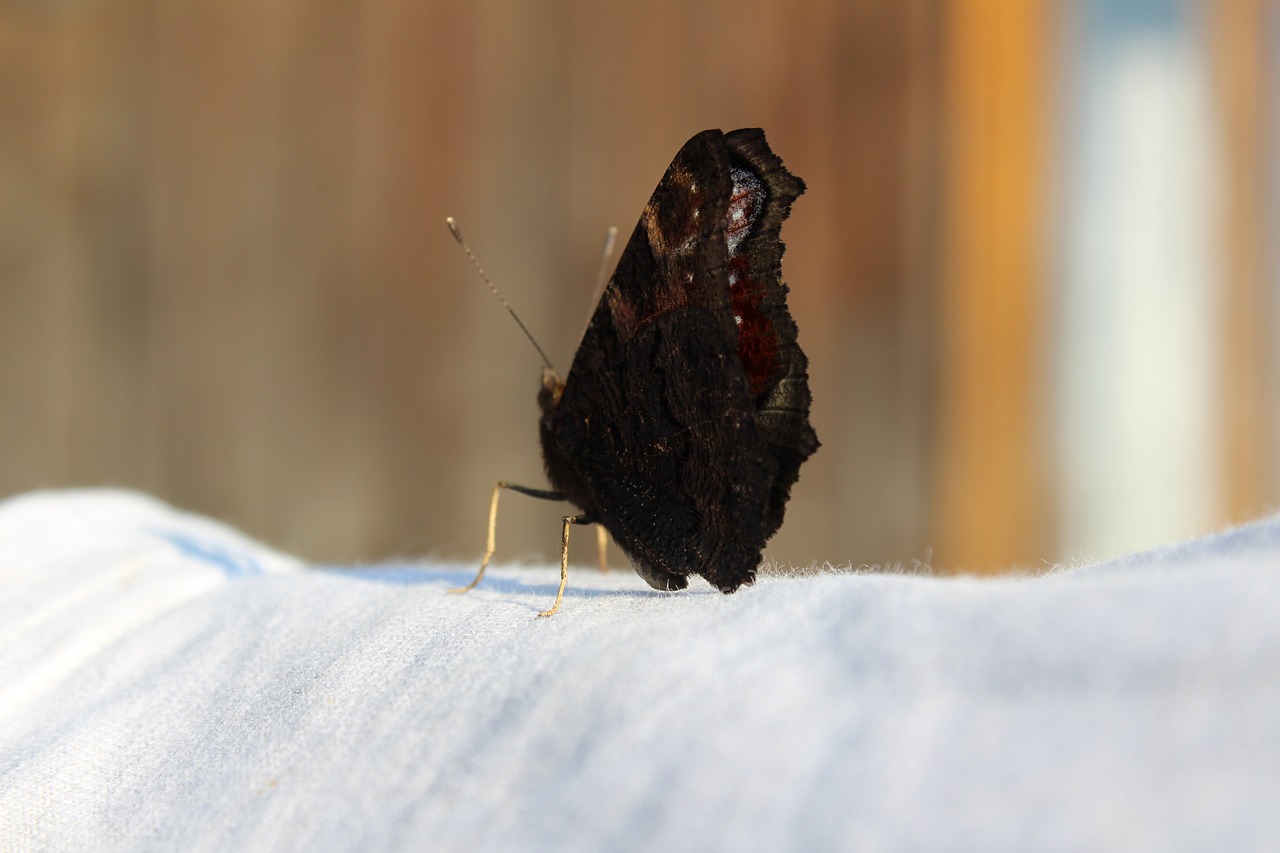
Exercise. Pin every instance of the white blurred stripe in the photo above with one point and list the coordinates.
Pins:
(1136, 350)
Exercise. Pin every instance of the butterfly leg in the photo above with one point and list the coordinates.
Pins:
(602, 543)
(493, 523)
(564, 557)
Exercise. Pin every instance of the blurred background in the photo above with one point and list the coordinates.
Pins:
(1033, 272)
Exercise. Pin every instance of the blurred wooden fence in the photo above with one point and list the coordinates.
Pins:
(225, 279)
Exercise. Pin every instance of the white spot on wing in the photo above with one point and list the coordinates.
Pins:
(745, 206)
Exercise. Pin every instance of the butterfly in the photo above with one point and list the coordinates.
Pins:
(684, 418)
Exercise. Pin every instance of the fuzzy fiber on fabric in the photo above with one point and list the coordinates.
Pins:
(167, 683)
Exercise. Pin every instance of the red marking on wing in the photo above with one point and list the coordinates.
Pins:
(757, 341)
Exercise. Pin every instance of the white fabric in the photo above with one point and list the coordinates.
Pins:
(166, 683)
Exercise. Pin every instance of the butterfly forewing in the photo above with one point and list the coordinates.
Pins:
(657, 431)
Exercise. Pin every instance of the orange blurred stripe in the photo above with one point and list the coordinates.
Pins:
(1239, 30)
(990, 510)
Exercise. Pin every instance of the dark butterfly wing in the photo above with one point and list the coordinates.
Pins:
(684, 418)
(780, 383)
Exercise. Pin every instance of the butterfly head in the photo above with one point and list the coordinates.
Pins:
(552, 388)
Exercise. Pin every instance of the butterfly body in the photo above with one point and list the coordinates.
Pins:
(684, 418)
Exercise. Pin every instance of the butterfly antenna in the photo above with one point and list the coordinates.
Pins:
(610, 239)
(602, 278)
(457, 235)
